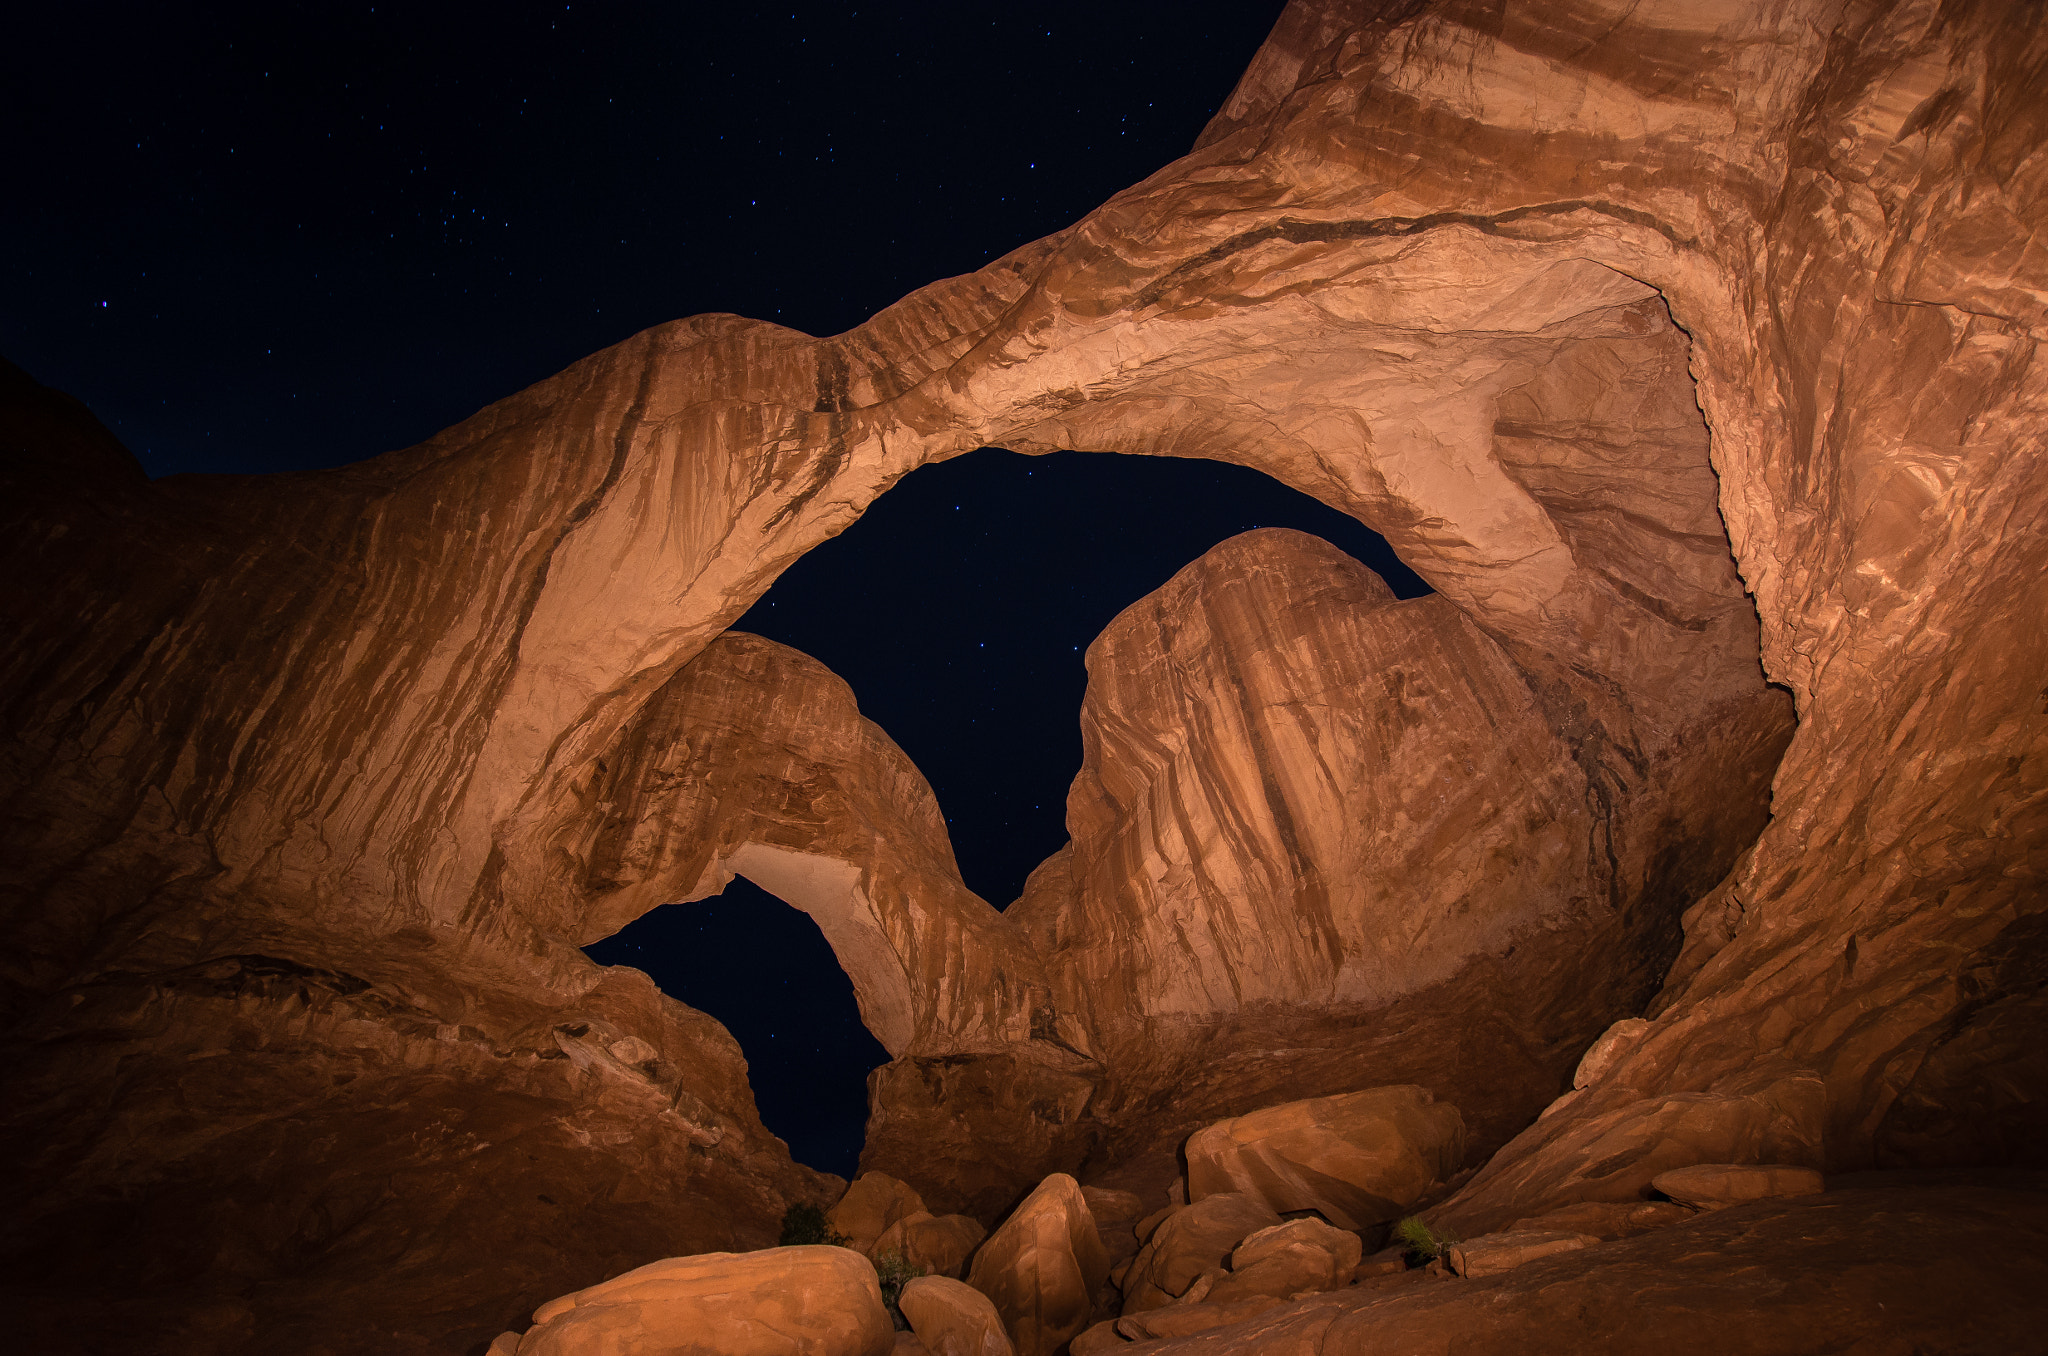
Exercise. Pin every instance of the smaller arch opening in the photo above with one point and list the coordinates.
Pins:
(765, 970)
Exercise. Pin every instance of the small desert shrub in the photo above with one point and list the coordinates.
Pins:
(1422, 1243)
(802, 1224)
(895, 1271)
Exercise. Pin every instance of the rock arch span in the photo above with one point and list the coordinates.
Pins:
(755, 760)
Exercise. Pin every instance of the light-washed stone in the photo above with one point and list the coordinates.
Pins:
(1358, 1159)
(804, 1301)
(1493, 1254)
(954, 1319)
(936, 1245)
(1043, 1266)
(1604, 1053)
(1189, 1242)
(873, 1203)
(1289, 1259)
(1716, 1186)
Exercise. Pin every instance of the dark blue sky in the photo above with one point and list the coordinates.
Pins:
(276, 236)
(260, 236)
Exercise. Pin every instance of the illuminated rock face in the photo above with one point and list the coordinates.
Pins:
(754, 760)
(1485, 278)
(1324, 840)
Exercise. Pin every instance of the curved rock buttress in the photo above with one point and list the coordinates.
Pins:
(754, 760)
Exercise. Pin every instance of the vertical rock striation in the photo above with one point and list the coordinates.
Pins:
(1325, 840)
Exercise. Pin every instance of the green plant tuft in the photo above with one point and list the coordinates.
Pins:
(895, 1271)
(806, 1224)
(1422, 1243)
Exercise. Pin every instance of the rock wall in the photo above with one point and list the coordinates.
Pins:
(1323, 840)
(1460, 269)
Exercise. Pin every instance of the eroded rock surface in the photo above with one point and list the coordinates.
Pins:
(1325, 839)
(936, 1245)
(874, 1204)
(1848, 1269)
(807, 1301)
(1286, 1260)
(1716, 1186)
(1492, 1254)
(1188, 1243)
(754, 760)
(952, 1319)
(1042, 1267)
(1357, 1159)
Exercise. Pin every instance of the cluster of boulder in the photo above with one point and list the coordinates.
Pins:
(1275, 1206)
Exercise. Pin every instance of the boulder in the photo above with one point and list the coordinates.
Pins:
(1043, 1266)
(1385, 1262)
(937, 1245)
(1289, 1259)
(1716, 1186)
(1494, 1253)
(953, 1319)
(870, 1206)
(1112, 1208)
(1358, 1159)
(804, 1301)
(1182, 1320)
(1189, 1242)
(1098, 1338)
(1144, 1227)
(1203, 1284)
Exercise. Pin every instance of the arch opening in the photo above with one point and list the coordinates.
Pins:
(1561, 495)
(998, 570)
(766, 971)
(982, 688)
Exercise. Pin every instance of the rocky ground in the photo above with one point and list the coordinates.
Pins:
(1713, 1258)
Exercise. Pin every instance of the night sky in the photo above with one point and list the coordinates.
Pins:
(276, 236)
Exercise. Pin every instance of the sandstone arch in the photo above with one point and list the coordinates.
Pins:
(755, 760)
(353, 717)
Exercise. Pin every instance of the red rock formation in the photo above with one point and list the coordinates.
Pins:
(1042, 1267)
(1323, 840)
(1461, 270)
(813, 1299)
(1849, 1269)
(755, 760)
(1358, 1160)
